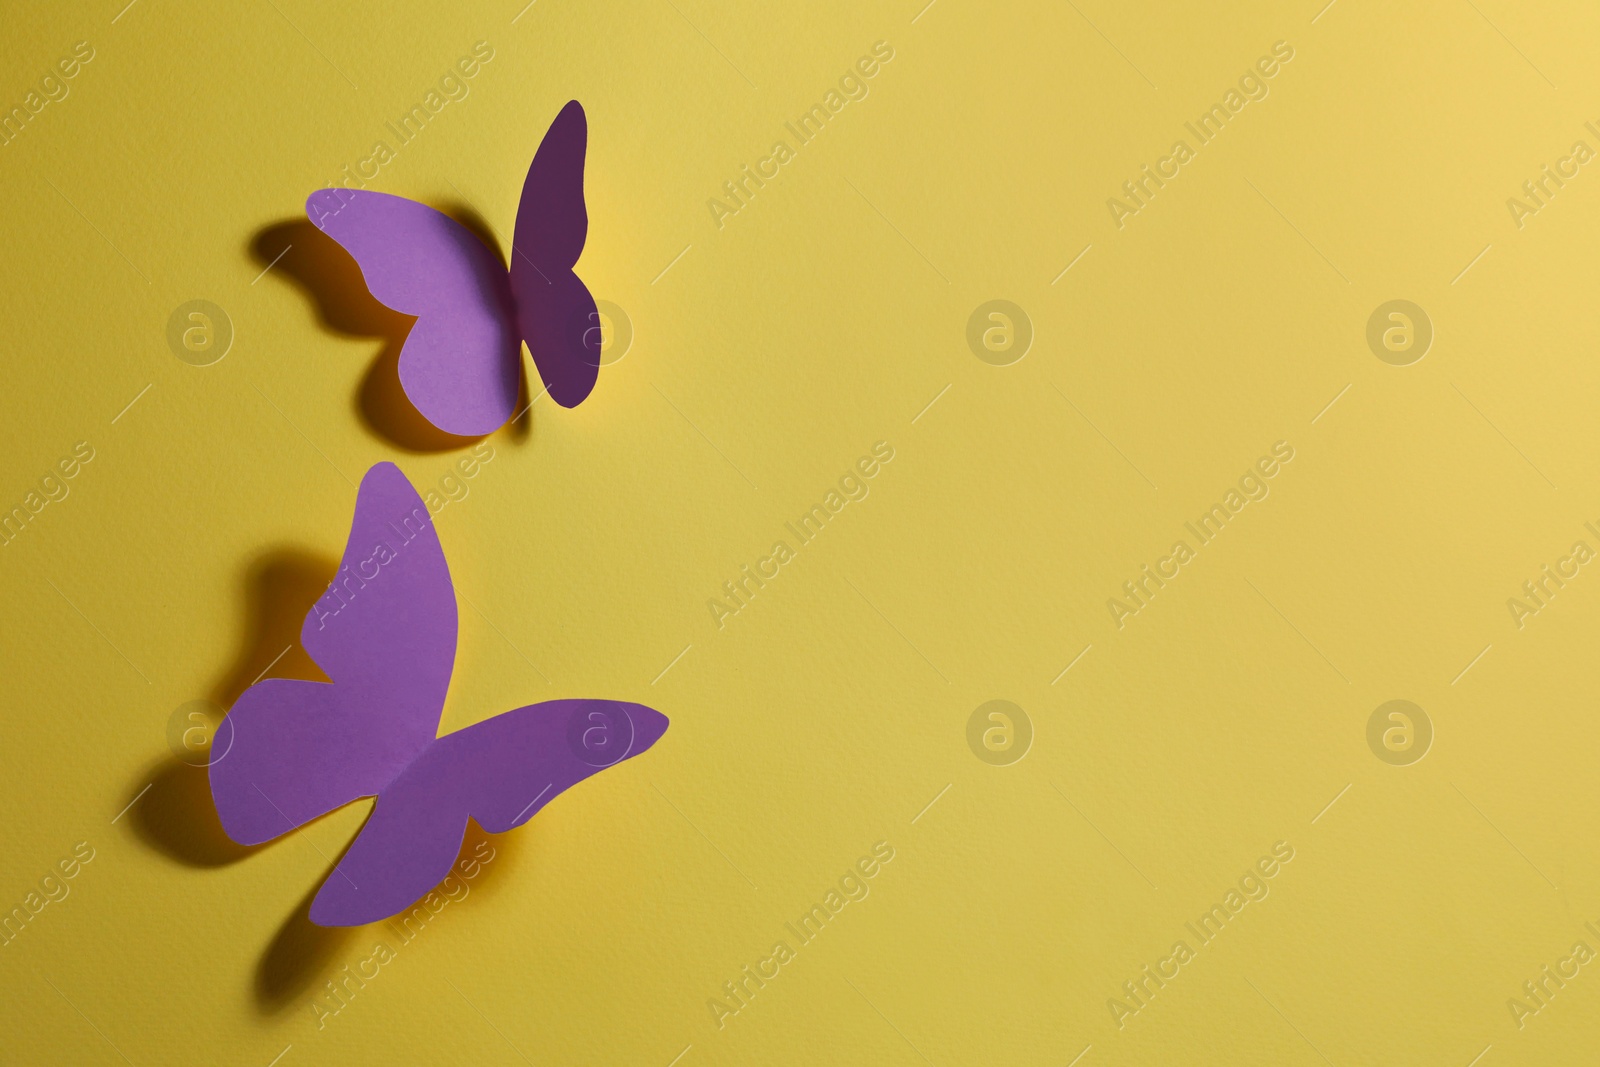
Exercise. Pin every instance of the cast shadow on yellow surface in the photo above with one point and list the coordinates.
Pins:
(304, 954)
(176, 816)
(297, 956)
(345, 307)
(280, 586)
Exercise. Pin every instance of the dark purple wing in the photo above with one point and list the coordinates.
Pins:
(555, 312)
(498, 772)
(385, 632)
(460, 364)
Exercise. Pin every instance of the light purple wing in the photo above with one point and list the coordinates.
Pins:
(555, 312)
(460, 365)
(385, 632)
(499, 772)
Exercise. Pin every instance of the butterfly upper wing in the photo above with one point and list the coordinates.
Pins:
(385, 632)
(499, 772)
(460, 365)
(555, 311)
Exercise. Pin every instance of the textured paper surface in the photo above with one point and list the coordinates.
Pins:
(767, 359)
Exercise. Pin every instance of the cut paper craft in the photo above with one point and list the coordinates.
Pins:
(385, 633)
(461, 364)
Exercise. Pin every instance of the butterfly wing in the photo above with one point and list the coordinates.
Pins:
(385, 632)
(499, 772)
(555, 312)
(460, 365)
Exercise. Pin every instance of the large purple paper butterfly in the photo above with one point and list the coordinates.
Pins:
(461, 365)
(385, 633)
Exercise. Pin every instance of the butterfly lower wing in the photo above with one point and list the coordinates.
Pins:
(555, 311)
(405, 849)
(499, 772)
(385, 632)
(460, 365)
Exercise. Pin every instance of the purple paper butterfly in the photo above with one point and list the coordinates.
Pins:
(385, 632)
(461, 365)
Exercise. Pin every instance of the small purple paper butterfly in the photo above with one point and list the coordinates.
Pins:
(461, 364)
(385, 633)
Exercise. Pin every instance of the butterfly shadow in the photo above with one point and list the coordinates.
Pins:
(280, 585)
(344, 306)
(299, 954)
(175, 816)
(302, 952)
(174, 813)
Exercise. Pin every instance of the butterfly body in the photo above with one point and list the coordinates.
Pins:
(461, 364)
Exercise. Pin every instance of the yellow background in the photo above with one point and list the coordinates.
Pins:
(829, 713)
